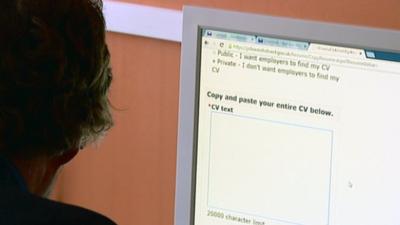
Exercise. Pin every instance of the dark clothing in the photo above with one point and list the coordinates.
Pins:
(19, 207)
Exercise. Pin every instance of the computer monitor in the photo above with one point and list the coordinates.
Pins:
(287, 122)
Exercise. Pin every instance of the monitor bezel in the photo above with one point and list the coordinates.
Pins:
(194, 20)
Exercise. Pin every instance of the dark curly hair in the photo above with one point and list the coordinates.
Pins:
(54, 76)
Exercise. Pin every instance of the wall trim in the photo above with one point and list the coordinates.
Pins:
(146, 21)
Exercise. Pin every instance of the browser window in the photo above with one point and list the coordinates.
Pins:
(295, 132)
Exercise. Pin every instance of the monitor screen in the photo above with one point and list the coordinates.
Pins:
(289, 130)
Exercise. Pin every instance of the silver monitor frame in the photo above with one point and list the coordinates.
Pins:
(195, 18)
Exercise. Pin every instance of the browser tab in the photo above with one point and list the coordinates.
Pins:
(283, 43)
(337, 51)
